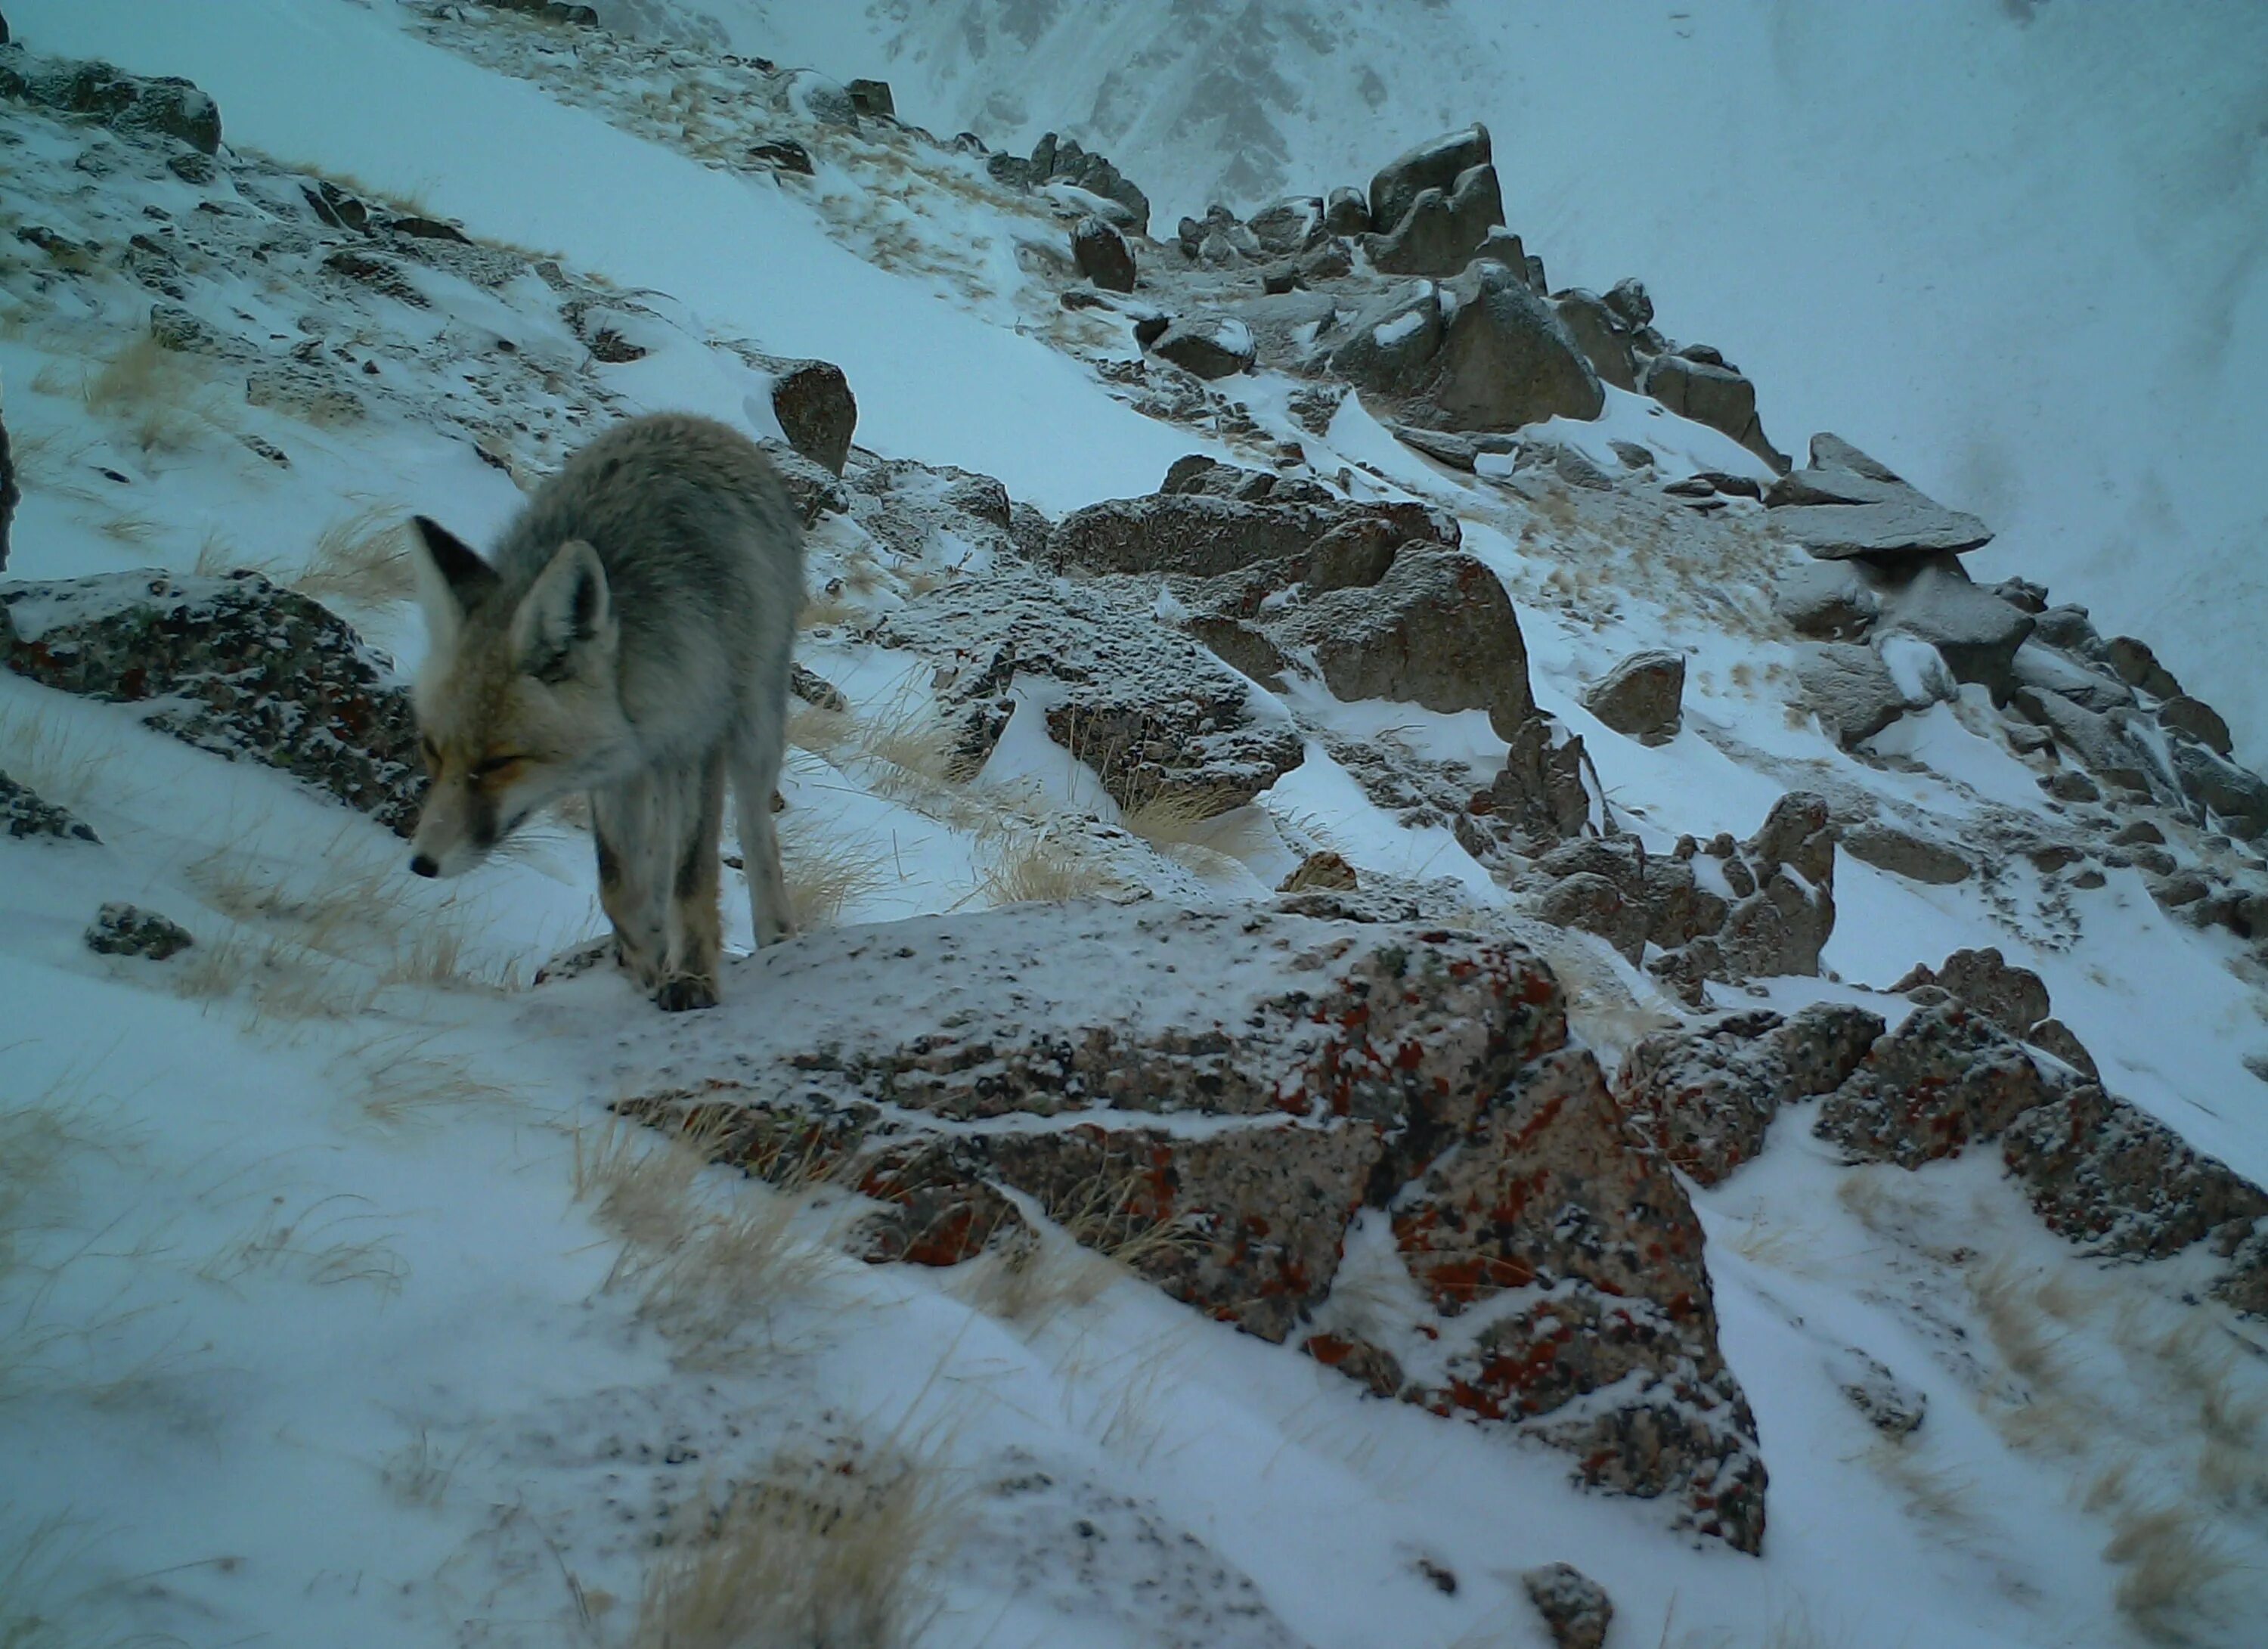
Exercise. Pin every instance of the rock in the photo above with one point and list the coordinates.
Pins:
(1205, 536)
(127, 104)
(124, 930)
(784, 154)
(1642, 696)
(2053, 1036)
(1330, 259)
(1370, 1101)
(1888, 1404)
(813, 489)
(1102, 254)
(1443, 229)
(1438, 630)
(1345, 213)
(814, 406)
(1156, 715)
(234, 666)
(1288, 226)
(2237, 797)
(1574, 1607)
(2106, 1175)
(2138, 666)
(1436, 163)
(10, 495)
(1974, 631)
(1828, 600)
(2015, 998)
(2023, 594)
(1503, 359)
(2046, 670)
(1846, 504)
(1715, 395)
(2069, 628)
(2191, 718)
(1600, 334)
(1325, 871)
(1850, 689)
(1705, 1097)
(823, 100)
(873, 97)
(25, 813)
(1947, 1076)
(1589, 901)
(1901, 853)
(1627, 299)
(1210, 346)
(1055, 158)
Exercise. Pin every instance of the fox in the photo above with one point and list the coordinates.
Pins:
(630, 638)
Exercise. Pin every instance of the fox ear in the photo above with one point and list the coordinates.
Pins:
(451, 577)
(567, 608)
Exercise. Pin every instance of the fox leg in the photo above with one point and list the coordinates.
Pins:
(756, 756)
(693, 926)
(623, 821)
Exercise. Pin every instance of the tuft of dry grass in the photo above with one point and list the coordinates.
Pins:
(825, 876)
(362, 557)
(323, 1242)
(159, 399)
(1036, 867)
(2175, 1571)
(821, 1554)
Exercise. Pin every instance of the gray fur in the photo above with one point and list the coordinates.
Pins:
(649, 679)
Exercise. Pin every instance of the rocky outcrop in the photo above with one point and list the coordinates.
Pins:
(1102, 255)
(1435, 163)
(2108, 1176)
(1254, 1108)
(1712, 392)
(1205, 535)
(1442, 230)
(1601, 333)
(124, 930)
(1844, 504)
(1642, 696)
(25, 813)
(1705, 1096)
(129, 105)
(1575, 1608)
(1947, 1076)
(1054, 159)
(234, 666)
(1482, 351)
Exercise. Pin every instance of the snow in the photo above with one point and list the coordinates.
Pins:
(310, 1337)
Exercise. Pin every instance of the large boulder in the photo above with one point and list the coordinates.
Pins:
(1443, 229)
(234, 666)
(1601, 333)
(1642, 696)
(1437, 630)
(1102, 254)
(1711, 392)
(1974, 630)
(1482, 351)
(1849, 688)
(1202, 535)
(1360, 1138)
(1947, 1076)
(127, 104)
(1846, 504)
(1209, 346)
(1055, 157)
(1435, 163)
(1288, 226)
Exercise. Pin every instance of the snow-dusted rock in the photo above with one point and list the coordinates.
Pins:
(1844, 504)
(235, 666)
(1443, 229)
(813, 403)
(1850, 689)
(2194, 718)
(1902, 853)
(25, 813)
(1627, 298)
(1102, 254)
(1346, 213)
(1714, 394)
(1574, 1607)
(1435, 163)
(1284, 1101)
(1974, 631)
(165, 107)
(1601, 333)
(2013, 998)
(1947, 1076)
(1210, 346)
(1482, 351)
(1288, 226)
(124, 930)
(1642, 696)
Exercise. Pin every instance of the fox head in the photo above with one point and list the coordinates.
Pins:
(516, 704)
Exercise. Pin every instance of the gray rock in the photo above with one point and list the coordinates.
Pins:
(1202, 536)
(1901, 853)
(2069, 628)
(124, 930)
(1346, 214)
(1642, 696)
(2023, 594)
(827, 101)
(2237, 796)
(1945, 1077)
(873, 97)
(1506, 360)
(2053, 1036)
(1288, 226)
(1443, 230)
(2138, 666)
(1436, 163)
(1601, 333)
(1712, 394)
(1331, 259)
(1828, 600)
(127, 104)
(23, 813)
(2046, 669)
(1627, 298)
(1102, 254)
(1392, 339)
(1210, 346)
(1575, 1608)
(1975, 632)
(2013, 997)
(1850, 689)
(2192, 717)
(1846, 504)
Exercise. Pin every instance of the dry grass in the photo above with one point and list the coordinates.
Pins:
(362, 557)
(159, 400)
(1065, 1256)
(825, 876)
(2176, 1568)
(64, 765)
(326, 1243)
(823, 1554)
(1037, 867)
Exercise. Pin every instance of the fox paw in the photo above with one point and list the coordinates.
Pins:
(678, 996)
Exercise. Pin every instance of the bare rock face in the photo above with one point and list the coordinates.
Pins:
(1706, 1096)
(1844, 504)
(1158, 718)
(1601, 333)
(1575, 1608)
(1102, 255)
(24, 814)
(1946, 1076)
(130, 104)
(235, 666)
(1642, 696)
(1271, 1099)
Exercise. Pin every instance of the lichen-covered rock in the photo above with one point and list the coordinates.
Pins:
(235, 666)
(1642, 696)
(1259, 1098)
(2015, 998)
(1706, 1096)
(23, 813)
(1946, 1076)
(1574, 1607)
(131, 104)
(124, 930)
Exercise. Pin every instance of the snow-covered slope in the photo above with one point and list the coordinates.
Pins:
(336, 1309)
(2013, 247)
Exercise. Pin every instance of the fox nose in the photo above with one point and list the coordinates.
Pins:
(423, 864)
